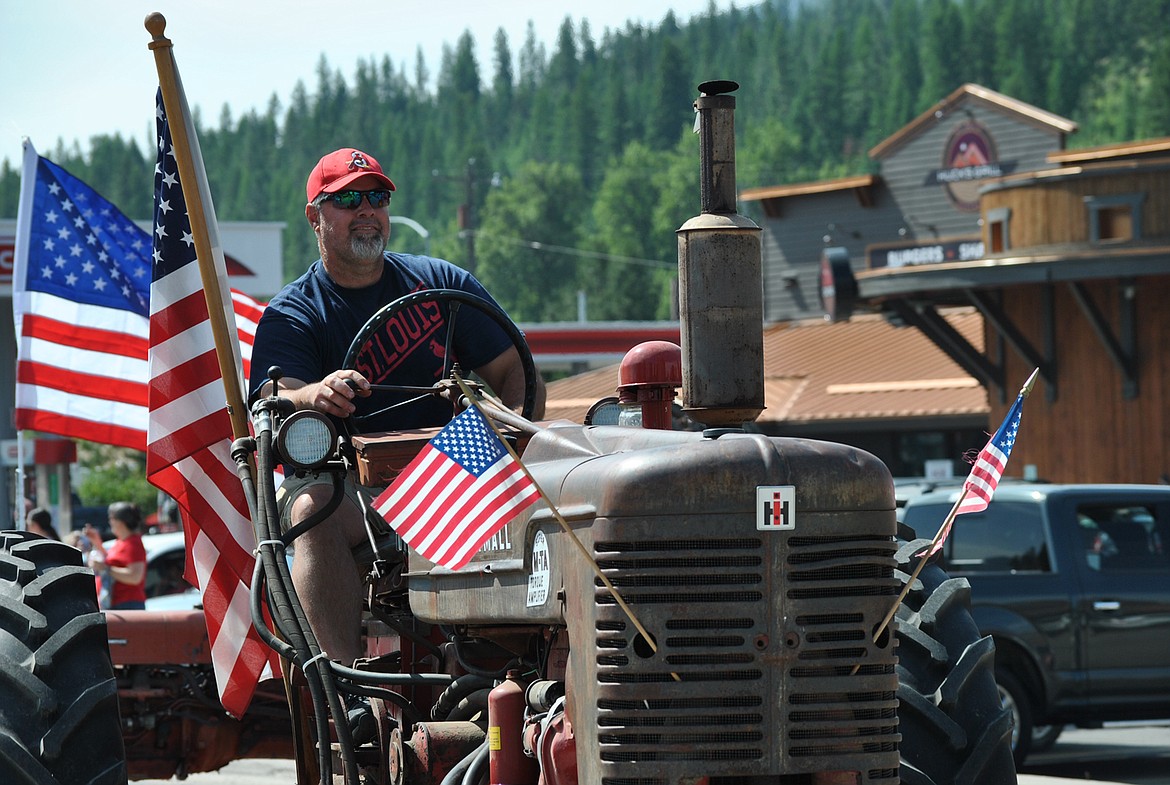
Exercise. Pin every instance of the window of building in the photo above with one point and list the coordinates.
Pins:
(1115, 219)
(998, 236)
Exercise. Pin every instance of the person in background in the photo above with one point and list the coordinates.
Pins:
(40, 521)
(125, 560)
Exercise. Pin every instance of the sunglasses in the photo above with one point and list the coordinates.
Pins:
(351, 200)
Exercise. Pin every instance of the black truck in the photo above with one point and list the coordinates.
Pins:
(1073, 583)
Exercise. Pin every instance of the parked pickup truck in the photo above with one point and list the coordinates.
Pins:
(1073, 583)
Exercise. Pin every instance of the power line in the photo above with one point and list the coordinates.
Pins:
(581, 252)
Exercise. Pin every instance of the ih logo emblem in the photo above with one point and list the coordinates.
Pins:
(775, 507)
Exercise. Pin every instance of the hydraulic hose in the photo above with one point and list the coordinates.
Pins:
(457, 772)
(294, 623)
(457, 691)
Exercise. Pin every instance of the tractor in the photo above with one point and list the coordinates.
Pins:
(683, 607)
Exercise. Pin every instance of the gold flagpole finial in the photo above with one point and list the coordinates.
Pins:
(1026, 390)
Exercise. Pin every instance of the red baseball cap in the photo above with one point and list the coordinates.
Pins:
(340, 168)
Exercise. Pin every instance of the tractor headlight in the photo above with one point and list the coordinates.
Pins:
(306, 439)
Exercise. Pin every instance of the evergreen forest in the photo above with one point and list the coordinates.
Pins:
(562, 168)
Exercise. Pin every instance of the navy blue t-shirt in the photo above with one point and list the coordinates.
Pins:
(309, 325)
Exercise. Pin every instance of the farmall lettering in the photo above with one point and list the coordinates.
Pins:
(398, 338)
(500, 541)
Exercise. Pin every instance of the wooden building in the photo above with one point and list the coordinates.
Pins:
(1075, 282)
(1064, 254)
(922, 206)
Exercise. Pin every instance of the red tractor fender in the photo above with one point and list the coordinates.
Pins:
(158, 637)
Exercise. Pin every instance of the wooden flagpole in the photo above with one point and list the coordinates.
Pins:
(178, 116)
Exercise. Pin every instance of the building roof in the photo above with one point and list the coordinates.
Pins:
(805, 189)
(816, 371)
(967, 92)
(867, 369)
(1146, 147)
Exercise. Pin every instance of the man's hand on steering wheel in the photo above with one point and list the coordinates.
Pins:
(334, 395)
(336, 392)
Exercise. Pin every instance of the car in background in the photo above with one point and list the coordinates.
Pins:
(1073, 584)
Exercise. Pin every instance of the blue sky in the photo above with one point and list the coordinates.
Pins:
(73, 69)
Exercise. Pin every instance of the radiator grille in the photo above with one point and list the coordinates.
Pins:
(751, 641)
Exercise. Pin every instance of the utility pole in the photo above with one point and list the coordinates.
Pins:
(466, 212)
(467, 215)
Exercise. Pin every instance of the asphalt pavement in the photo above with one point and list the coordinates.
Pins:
(1128, 753)
(1042, 779)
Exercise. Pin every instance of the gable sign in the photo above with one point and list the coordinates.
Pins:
(969, 157)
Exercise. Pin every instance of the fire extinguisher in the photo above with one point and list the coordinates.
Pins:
(507, 763)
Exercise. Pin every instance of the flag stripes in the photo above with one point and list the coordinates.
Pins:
(190, 431)
(104, 354)
(983, 479)
(460, 489)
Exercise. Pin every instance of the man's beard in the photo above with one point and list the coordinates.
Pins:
(368, 247)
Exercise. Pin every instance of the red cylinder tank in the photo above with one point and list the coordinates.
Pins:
(507, 763)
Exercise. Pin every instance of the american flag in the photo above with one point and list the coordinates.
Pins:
(989, 466)
(81, 289)
(462, 488)
(81, 285)
(991, 461)
(188, 452)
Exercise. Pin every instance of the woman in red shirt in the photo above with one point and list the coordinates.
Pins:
(126, 558)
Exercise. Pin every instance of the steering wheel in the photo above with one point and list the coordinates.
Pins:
(448, 303)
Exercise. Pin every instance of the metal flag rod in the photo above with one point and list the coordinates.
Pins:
(473, 401)
(940, 535)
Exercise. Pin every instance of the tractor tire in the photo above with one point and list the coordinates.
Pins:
(1017, 701)
(954, 729)
(59, 721)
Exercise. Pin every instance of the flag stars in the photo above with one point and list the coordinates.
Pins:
(54, 188)
(63, 233)
(67, 206)
(51, 217)
(79, 222)
(71, 280)
(75, 250)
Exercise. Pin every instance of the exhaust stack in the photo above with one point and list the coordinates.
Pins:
(721, 297)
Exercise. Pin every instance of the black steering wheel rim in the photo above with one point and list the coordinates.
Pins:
(458, 298)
